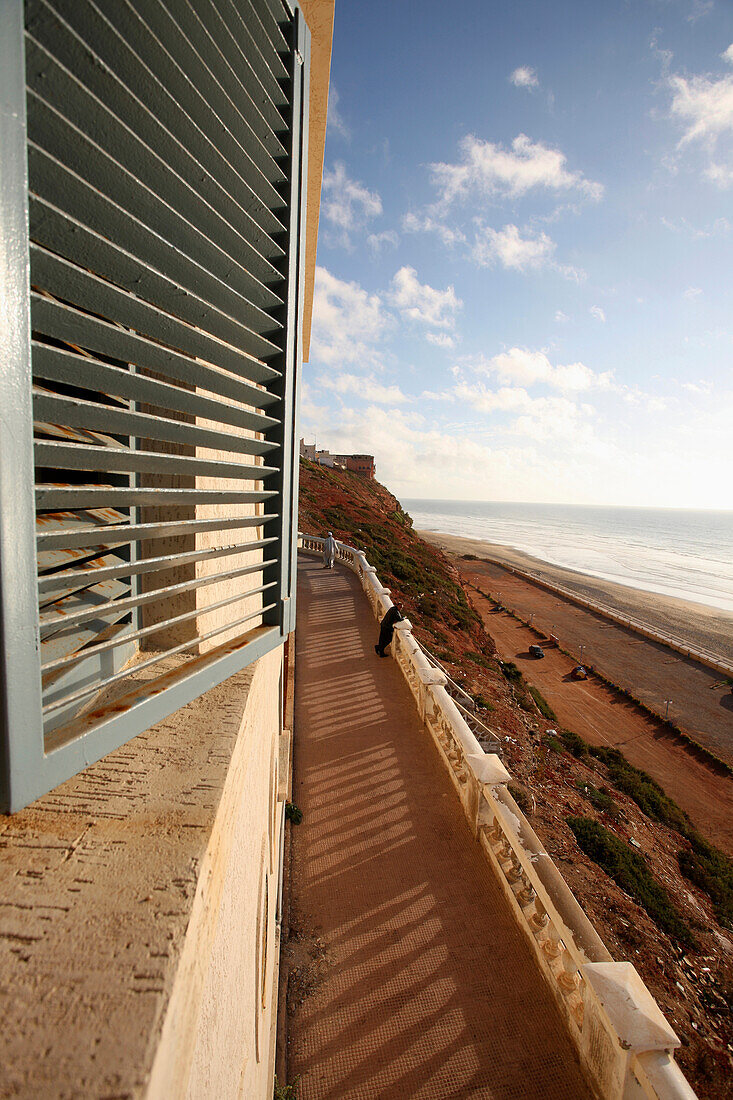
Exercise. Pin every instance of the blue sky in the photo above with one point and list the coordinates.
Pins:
(525, 250)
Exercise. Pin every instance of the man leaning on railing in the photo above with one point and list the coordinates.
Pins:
(386, 630)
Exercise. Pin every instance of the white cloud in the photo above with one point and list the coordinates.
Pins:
(378, 241)
(511, 399)
(420, 302)
(336, 123)
(522, 367)
(426, 223)
(536, 418)
(561, 317)
(699, 387)
(524, 77)
(511, 249)
(699, 9)
(440, 339)
(347, 204)
(517, 253)
(717, 229)
(347, 321)
(367, 388)
(720, 174)
(727, 55)
(309, 410)
(704, 105)
(491, 169)
(546, 452)
(597, 312)
(432, 395)
(692, 293)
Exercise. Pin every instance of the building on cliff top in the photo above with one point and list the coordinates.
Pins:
(358, 464)
(159, 202)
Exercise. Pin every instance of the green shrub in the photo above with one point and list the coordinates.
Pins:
(293, 813)
(600, 799)
(645, 791)
(573, 743)
(629, 870)
(478, 659)
(446, 655)
(286, 1092)
(705, 865)
(511, 672)
(542, 705)
(483, 702)
(712, 871)
(552, 742)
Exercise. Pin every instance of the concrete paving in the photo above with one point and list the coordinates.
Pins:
(422, 984)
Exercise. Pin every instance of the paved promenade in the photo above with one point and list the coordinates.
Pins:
(426, 988)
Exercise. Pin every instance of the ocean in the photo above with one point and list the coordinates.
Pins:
(687, 554)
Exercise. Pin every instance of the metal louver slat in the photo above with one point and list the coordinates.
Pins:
(110, 140)
(62, 194)
(100, 336)
(102, 569)
(55, 497)
(80, 456)
(250, 37)
(150, 31)
(72, 239)
(97, 295)
(82, 611)
(265, 95)
(157, 345)
(76, 412)
(269, 15)
(89, 536)
(128, 90)
(66, 660)
(211, 73)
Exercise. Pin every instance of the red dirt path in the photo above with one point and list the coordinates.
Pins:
(603, 716)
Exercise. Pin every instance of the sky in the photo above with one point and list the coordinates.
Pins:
(525, 255)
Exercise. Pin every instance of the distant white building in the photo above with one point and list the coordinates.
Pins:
(360, 464)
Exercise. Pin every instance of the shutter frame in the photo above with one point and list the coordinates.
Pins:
(150, 324)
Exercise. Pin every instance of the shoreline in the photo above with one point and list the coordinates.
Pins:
(698, 625)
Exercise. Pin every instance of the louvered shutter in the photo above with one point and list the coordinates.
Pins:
(152, 302)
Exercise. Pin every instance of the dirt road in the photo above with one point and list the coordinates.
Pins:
(701, 703)
(603, 717)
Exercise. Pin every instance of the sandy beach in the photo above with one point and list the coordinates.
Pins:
(702, 627)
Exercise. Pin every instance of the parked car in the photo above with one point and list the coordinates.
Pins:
(579, 673)
(536, 651)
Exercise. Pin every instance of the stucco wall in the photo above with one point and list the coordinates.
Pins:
(130, 905)
(216, 1036)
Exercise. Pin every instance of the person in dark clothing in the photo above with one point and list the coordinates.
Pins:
(386, 630)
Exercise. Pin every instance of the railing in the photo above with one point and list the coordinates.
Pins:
(623, 1039)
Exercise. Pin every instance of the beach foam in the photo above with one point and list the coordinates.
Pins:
(683, 554)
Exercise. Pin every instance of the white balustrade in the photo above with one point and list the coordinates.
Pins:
(617, 1027)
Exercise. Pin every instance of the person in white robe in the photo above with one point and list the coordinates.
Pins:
(329, 551)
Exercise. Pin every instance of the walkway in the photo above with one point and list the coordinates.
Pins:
(426, 988)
